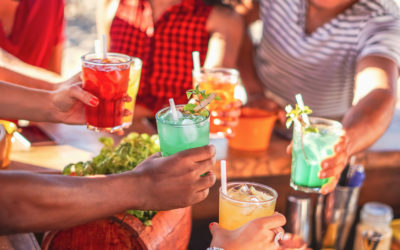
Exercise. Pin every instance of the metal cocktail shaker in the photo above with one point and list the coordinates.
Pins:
(298, 216)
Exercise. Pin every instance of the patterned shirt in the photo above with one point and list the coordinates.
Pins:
(322, 65)
(165, 46)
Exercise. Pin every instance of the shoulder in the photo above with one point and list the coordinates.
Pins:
(224, 20)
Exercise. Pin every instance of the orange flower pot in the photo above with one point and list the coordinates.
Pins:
(254, 130)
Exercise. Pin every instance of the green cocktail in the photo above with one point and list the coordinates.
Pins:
(188, 131)
(311, 145)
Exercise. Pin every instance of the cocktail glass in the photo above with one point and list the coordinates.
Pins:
(309, 149)
(223, 82)
(133, 87)
(245, 201)
(189, 131)
(107, 79)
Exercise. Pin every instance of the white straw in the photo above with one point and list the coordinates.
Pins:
(223, 177)
(300, 102)
(97, 48)
(173, 109)
(104, 42)
(196, 61)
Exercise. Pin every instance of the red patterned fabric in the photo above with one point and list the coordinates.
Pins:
(38, 27)
(165, 47)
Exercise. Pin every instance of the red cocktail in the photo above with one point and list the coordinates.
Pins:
(107, 79)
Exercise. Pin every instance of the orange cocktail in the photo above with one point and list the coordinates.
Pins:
(244, 202)
(223, 82)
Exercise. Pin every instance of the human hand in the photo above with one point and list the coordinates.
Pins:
(228, 116)
(262, 102)
(175, 181)
(69, 99)
(334, 165)
(256, 234)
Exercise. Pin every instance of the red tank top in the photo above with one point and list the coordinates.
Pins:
(165, 47)
(38, 27)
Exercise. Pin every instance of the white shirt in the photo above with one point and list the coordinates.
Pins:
(321, 66)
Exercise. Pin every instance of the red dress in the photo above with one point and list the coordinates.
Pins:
(38, 27)
(165, 47)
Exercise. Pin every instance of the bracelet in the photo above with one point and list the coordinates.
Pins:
(215, 248)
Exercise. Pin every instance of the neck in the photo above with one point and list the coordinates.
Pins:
(334, 8)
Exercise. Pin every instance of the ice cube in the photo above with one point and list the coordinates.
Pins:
(246, 211)
(169, 117)
(190, 132)
(254, 199)
(244, 189)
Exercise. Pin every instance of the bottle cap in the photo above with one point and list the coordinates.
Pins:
(376, 213)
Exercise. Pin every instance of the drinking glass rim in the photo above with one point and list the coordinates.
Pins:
(175, 125)
(329, 122)
(129, 59)
(136, 62)
(203, 71)
(273, 198)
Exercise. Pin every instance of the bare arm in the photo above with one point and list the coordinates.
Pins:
(367, 120)
(246, 63)
(35, 202)
(105, 13)
(375, 99)
(226, 27)
(18, 72)
(65, 104)
(55, 64)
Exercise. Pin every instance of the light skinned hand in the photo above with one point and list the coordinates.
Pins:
(229, 115)
(258, 234)
(69, 101)
(175, 181)
(332, 166)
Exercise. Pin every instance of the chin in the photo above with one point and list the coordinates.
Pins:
(326, 4)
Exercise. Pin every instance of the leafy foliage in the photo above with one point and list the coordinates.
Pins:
(197, 95)
(133, 149)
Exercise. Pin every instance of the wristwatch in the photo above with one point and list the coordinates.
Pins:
(215, 248)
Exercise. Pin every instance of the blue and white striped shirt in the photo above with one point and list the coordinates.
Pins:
(322, 66)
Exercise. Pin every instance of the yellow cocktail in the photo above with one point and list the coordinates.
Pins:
(133, 87)
(223, 82)
(245, 201)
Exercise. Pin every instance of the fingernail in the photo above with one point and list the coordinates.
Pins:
(94, 101)
(322, 175)
(211, 225)
(325, 165)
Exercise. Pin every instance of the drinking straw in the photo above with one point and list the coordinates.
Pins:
(196, 61)
(97, 48)
(300, 102)
(104, 42)
(223, 177)
(173, 109)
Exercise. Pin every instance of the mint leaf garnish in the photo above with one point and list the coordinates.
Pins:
(201, 99)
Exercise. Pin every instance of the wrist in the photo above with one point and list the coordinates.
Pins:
(134, 184)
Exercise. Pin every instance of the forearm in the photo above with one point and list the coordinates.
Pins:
(247, 68)
(8, 75)
(36, 203)
(18, 102)
(16, 71)
(365, 122)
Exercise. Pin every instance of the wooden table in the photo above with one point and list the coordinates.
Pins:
(271, 167)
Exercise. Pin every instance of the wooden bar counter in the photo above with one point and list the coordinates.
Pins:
(271, 167)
